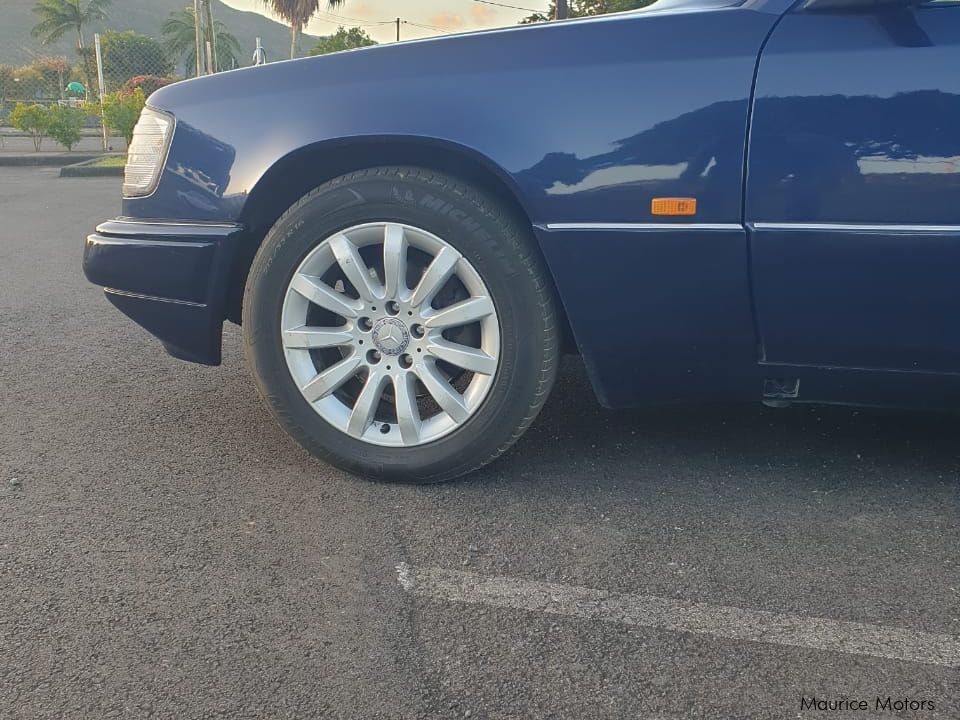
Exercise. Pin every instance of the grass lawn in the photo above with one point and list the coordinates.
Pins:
(111, 161)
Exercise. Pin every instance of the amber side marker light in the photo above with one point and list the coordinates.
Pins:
(674, 206)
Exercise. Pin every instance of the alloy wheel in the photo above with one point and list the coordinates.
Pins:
(390, 334)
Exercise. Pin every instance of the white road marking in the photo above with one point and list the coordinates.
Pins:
(656, 612)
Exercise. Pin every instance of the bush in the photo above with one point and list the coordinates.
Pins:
(41, 80)
(64, 124)
(148, 83)
(122, 110)
(33, 119)
(7, 84)
(55, 74)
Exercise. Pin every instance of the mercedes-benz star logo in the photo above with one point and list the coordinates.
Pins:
(390, 336)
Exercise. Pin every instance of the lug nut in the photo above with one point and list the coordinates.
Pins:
(405, 361)
(373, 357)
(365, 324)
(417, 331)
(393, 307)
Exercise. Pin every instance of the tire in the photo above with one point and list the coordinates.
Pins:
(498, 260)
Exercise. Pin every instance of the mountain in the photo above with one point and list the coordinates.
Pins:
(17, 46)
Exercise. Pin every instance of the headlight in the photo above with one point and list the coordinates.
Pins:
(147, 153)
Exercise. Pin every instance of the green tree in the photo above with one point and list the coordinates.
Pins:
(343, 39)
(121, 111)
(64, 124)
(33, 119)
(584, 8)
(179, 36)
(128, 54)
(297, 13)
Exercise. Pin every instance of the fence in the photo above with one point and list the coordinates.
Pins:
(68, 86)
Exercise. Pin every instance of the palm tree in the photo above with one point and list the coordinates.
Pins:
(58, 17)
(179, 34)
(297, 13)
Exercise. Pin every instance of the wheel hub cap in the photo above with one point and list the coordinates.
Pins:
(390, 336)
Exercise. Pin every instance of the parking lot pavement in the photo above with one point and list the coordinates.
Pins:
(166, 551)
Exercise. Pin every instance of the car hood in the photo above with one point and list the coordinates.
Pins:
(464, 54)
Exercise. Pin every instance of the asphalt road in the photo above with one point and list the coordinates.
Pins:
(166, 552)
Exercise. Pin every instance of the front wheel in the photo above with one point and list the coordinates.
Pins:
(401, 325)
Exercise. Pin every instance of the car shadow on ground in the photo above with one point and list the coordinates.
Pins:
(574, 440)
(814, 443)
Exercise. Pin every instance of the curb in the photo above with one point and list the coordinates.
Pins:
(44, 159)
(87, 169)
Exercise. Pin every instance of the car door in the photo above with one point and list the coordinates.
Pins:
(853, 189)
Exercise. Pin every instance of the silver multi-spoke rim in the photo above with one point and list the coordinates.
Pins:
(407, 344)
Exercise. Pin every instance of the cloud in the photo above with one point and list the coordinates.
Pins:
(483, 15)
(447, 21)
(360, 10)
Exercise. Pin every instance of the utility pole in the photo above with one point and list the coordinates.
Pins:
(102, 90)
(561, 10)
(197, 19)
(211, 37)
(398, 29)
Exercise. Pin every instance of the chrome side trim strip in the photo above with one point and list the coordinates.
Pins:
(123, 220)
(140, 296)
(643, 226)
(786, 367)
(98, 239)
(856, 227)
(828, 227)
(147, 229)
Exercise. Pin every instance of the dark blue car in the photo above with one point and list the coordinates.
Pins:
(707, 199)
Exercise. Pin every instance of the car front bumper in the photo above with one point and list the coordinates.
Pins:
(171, 278)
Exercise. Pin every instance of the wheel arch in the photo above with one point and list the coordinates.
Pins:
(298, 172)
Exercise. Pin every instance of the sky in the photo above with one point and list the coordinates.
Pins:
(424, 18)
